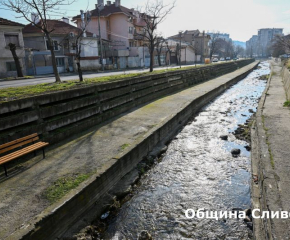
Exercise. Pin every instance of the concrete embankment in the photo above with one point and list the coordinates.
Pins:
(106, 152)
(270, 157)
(57, 116)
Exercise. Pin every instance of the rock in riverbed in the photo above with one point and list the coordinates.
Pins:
(224, 137)
(236, 152)
(144, 235)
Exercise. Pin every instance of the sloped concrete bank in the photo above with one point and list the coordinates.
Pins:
(57, 116)
(56, 219)
(286, 81)
(270, 157)
(261, 227)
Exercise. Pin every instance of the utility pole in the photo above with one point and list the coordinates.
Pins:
(144, 54)
(168, 50)
(100, 37)
(202, 48)
(180, 34)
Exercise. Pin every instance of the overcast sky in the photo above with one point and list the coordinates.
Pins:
(240, 18)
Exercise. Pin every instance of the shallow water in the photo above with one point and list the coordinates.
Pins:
(198, 171)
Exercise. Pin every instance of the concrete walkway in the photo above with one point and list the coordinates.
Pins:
(22, 194)
(274, 158)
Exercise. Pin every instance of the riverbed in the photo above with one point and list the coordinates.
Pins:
(198, 171)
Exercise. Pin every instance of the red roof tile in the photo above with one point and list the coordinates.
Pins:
(4, 21)
(58, 27)
(108, 10)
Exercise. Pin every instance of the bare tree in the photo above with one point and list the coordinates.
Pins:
(155, 12)
(238, 50)
(86, 18)
(215, 44)
(160, 45)
(280, 45)
(42, 9)
(12, 48)
(229, 48)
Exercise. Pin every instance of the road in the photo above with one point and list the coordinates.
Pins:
(50, 78)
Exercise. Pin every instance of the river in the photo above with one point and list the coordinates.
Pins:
(198, 171)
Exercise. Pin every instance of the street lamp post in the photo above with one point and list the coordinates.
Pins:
(180, 34)
(100, 37)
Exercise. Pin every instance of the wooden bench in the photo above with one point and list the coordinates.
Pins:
(32, 143)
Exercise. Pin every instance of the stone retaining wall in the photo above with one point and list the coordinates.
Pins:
(286, 81)
(56, 116)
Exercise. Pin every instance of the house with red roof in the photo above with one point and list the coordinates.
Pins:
(10, 32)
(64, 37)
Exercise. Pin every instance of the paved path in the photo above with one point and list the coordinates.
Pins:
(277, 171)
(22, 193)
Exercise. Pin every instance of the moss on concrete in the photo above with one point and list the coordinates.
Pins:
(287, 104)
(124, 146)
(63, 185)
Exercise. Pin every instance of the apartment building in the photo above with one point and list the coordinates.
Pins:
(199, 42)
(122, 28)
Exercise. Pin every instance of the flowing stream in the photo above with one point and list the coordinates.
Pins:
(198, 171)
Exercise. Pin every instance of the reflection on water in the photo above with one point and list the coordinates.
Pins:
(198, 171)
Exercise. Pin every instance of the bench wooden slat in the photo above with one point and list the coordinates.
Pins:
(5, 145)
(22, 152)
(23, 149)
(27, 148)
(19, 145)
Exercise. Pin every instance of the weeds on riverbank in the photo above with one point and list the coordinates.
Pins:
(287, 104)
(63, 185)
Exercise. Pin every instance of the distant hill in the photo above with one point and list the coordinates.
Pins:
(239, 43)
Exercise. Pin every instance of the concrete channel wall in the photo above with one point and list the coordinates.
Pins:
(267, 190)
(286, 81)
(259, 156)
(56, 116)
(53, 222)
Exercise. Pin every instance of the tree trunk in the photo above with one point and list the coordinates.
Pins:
(159, 60)
(53, 60)
(16, 59)
(80, 71)
(151, 58)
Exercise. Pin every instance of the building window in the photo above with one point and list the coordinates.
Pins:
(73, 46)
(12, 38)
(131, 30)
(108, 24)
(131, 44)
(55, 45)
(10, 66)
(60, 62)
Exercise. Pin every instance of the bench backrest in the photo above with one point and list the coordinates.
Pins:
(18, 143)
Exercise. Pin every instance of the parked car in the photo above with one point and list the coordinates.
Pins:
(222, 59)
(228, 58)
(215, 60)
(235, 59)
